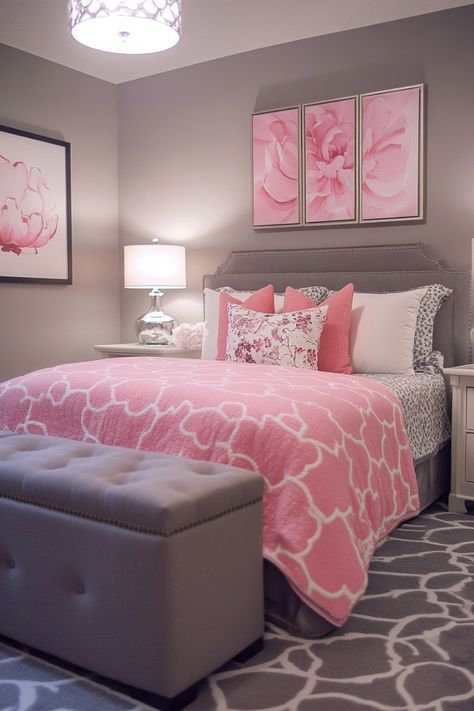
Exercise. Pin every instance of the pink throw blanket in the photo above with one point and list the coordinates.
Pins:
(332, 448)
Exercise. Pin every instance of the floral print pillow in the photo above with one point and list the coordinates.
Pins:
(290, 339)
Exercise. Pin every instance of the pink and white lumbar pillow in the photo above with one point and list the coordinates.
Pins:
(290, 339)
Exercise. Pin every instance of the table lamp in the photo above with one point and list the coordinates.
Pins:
(154, 266)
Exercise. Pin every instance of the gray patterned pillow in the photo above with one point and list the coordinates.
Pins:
(430, 304)
(317, 293)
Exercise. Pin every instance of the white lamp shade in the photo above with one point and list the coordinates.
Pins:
(126, 26)
(148, 266)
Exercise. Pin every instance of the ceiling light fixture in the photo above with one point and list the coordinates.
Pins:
(126, 26)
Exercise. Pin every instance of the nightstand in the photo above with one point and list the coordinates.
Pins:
(115, 350)
(462, 445)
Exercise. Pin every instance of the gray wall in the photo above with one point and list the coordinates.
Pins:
(184, 157)
(184, 143)
(41, 325)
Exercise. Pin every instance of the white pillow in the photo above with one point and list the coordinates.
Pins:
(382, 331)
(211, 324)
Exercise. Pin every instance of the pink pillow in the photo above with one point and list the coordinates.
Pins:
(261, 300)
(334, 355)
(290, 339)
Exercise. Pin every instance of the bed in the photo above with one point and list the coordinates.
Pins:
(87, 401)
(375, 268)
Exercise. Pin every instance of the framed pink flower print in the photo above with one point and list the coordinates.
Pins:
(391, 146)
(276, 168)
(330, 161)
(35, 208)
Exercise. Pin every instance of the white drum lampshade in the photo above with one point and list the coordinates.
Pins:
(126, 26)
(155, 267)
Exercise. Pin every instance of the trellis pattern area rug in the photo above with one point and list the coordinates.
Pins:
(408, 645)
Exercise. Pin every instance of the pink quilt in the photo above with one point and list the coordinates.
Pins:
(332, 448)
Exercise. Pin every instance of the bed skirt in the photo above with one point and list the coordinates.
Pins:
(285, 609)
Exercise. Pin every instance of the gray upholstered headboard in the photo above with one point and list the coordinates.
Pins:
(370, 269)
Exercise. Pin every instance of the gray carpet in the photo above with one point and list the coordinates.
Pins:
(408, 645)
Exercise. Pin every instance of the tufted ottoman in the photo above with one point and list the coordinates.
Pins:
(141, 567)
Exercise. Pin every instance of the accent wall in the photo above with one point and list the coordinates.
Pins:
(169, 156)
(185, 144)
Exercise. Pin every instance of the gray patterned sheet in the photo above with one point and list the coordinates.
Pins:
(424, 401)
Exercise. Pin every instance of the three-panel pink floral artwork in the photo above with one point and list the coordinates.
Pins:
(357, 159)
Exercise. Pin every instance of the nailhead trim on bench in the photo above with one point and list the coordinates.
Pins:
(123, 524)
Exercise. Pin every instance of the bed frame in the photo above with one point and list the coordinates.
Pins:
(370, 269)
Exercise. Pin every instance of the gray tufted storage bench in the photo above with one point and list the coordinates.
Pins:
(141, 567)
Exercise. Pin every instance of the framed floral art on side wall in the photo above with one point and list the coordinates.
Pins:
(35, 208)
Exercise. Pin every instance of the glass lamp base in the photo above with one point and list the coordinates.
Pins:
(154, 334)
(154, 327)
